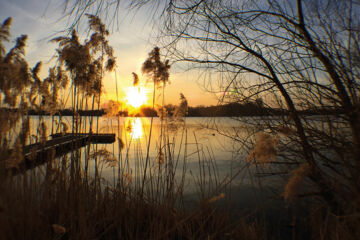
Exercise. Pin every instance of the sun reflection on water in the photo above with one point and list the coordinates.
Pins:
(135, 128)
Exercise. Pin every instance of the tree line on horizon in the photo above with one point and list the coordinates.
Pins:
(223, 110)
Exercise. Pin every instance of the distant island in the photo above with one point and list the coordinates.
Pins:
(69, 112)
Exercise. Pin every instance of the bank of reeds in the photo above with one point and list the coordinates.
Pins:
(57, 202)
(67, 197)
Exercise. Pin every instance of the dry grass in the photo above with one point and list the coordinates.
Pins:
(297, 177)
(265, 149)
(58, 204)
(63, 200)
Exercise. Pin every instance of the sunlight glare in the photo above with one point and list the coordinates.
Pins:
(135, 128)
(136, 96)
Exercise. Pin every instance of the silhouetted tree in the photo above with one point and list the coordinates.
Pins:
(297, 55)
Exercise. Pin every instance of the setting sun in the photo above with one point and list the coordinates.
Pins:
(136, 96)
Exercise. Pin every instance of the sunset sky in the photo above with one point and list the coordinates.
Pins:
(132, 40)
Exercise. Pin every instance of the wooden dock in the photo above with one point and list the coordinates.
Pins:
(92, 138)
(60, 144)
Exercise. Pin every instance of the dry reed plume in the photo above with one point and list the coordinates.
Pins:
(265, 149)
(295, 181)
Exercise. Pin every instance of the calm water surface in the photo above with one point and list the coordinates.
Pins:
(207, 156)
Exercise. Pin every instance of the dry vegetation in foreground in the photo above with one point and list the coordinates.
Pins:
(63, 201)
(60, 200)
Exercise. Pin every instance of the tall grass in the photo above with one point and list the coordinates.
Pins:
(70, 198)
(67, 197)
(57, 202)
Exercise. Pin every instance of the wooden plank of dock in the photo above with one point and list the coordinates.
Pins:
(60, 144)
(93, 138)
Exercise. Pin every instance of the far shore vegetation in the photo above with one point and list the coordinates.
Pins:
(224, 110)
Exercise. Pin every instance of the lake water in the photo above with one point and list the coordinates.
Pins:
(203, 156)
(202, 159)
(196, 147)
